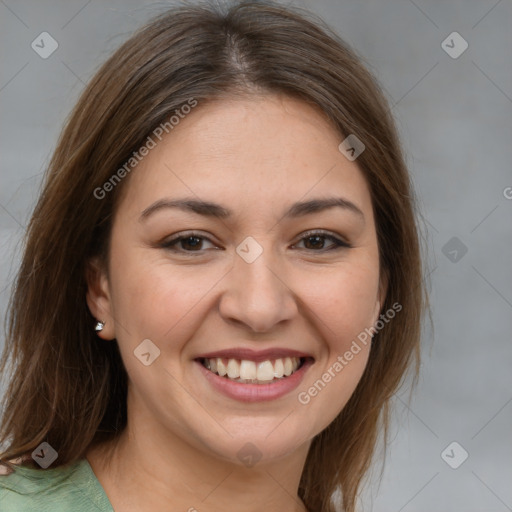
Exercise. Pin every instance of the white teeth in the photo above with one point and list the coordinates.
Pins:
(233, 369)
(249, 371)
(288, 366)
(265, 371)
(278, 368)
(221, 368)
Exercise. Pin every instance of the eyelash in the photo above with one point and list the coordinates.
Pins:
(338, 243)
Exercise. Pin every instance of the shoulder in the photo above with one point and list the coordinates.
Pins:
(71, 487)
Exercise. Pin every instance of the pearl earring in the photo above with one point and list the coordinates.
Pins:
(99, 326)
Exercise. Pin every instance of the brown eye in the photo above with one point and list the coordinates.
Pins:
(315, 241)
(186, 243)
(194, 243)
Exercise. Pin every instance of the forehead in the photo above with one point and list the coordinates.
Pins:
(248, 153)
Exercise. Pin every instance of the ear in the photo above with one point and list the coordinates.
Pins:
(98, 297)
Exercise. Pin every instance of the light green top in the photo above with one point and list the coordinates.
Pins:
(69, 488)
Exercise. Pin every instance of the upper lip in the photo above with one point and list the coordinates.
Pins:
(254, 355)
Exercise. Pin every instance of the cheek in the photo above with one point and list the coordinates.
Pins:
(344, 301)
(162, 304)
(158, 300)
(344, 306)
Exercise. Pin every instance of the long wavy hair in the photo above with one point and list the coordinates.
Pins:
(65, 385)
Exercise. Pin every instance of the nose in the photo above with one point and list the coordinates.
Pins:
(257, 294)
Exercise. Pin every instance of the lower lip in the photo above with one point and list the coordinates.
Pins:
(256, 392)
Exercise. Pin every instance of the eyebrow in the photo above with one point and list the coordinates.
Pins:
(214, 210)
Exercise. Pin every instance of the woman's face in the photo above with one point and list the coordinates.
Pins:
(256, 279)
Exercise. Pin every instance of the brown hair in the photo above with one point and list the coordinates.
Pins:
(68, 387)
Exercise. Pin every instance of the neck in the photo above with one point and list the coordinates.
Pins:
(152, 468)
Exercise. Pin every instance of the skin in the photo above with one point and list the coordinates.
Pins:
(256, 156)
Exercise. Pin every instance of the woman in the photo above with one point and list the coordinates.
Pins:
(221, 286)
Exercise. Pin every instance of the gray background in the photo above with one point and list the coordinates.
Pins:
(454, 116)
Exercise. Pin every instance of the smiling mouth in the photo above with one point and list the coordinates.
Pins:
(250, 372)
